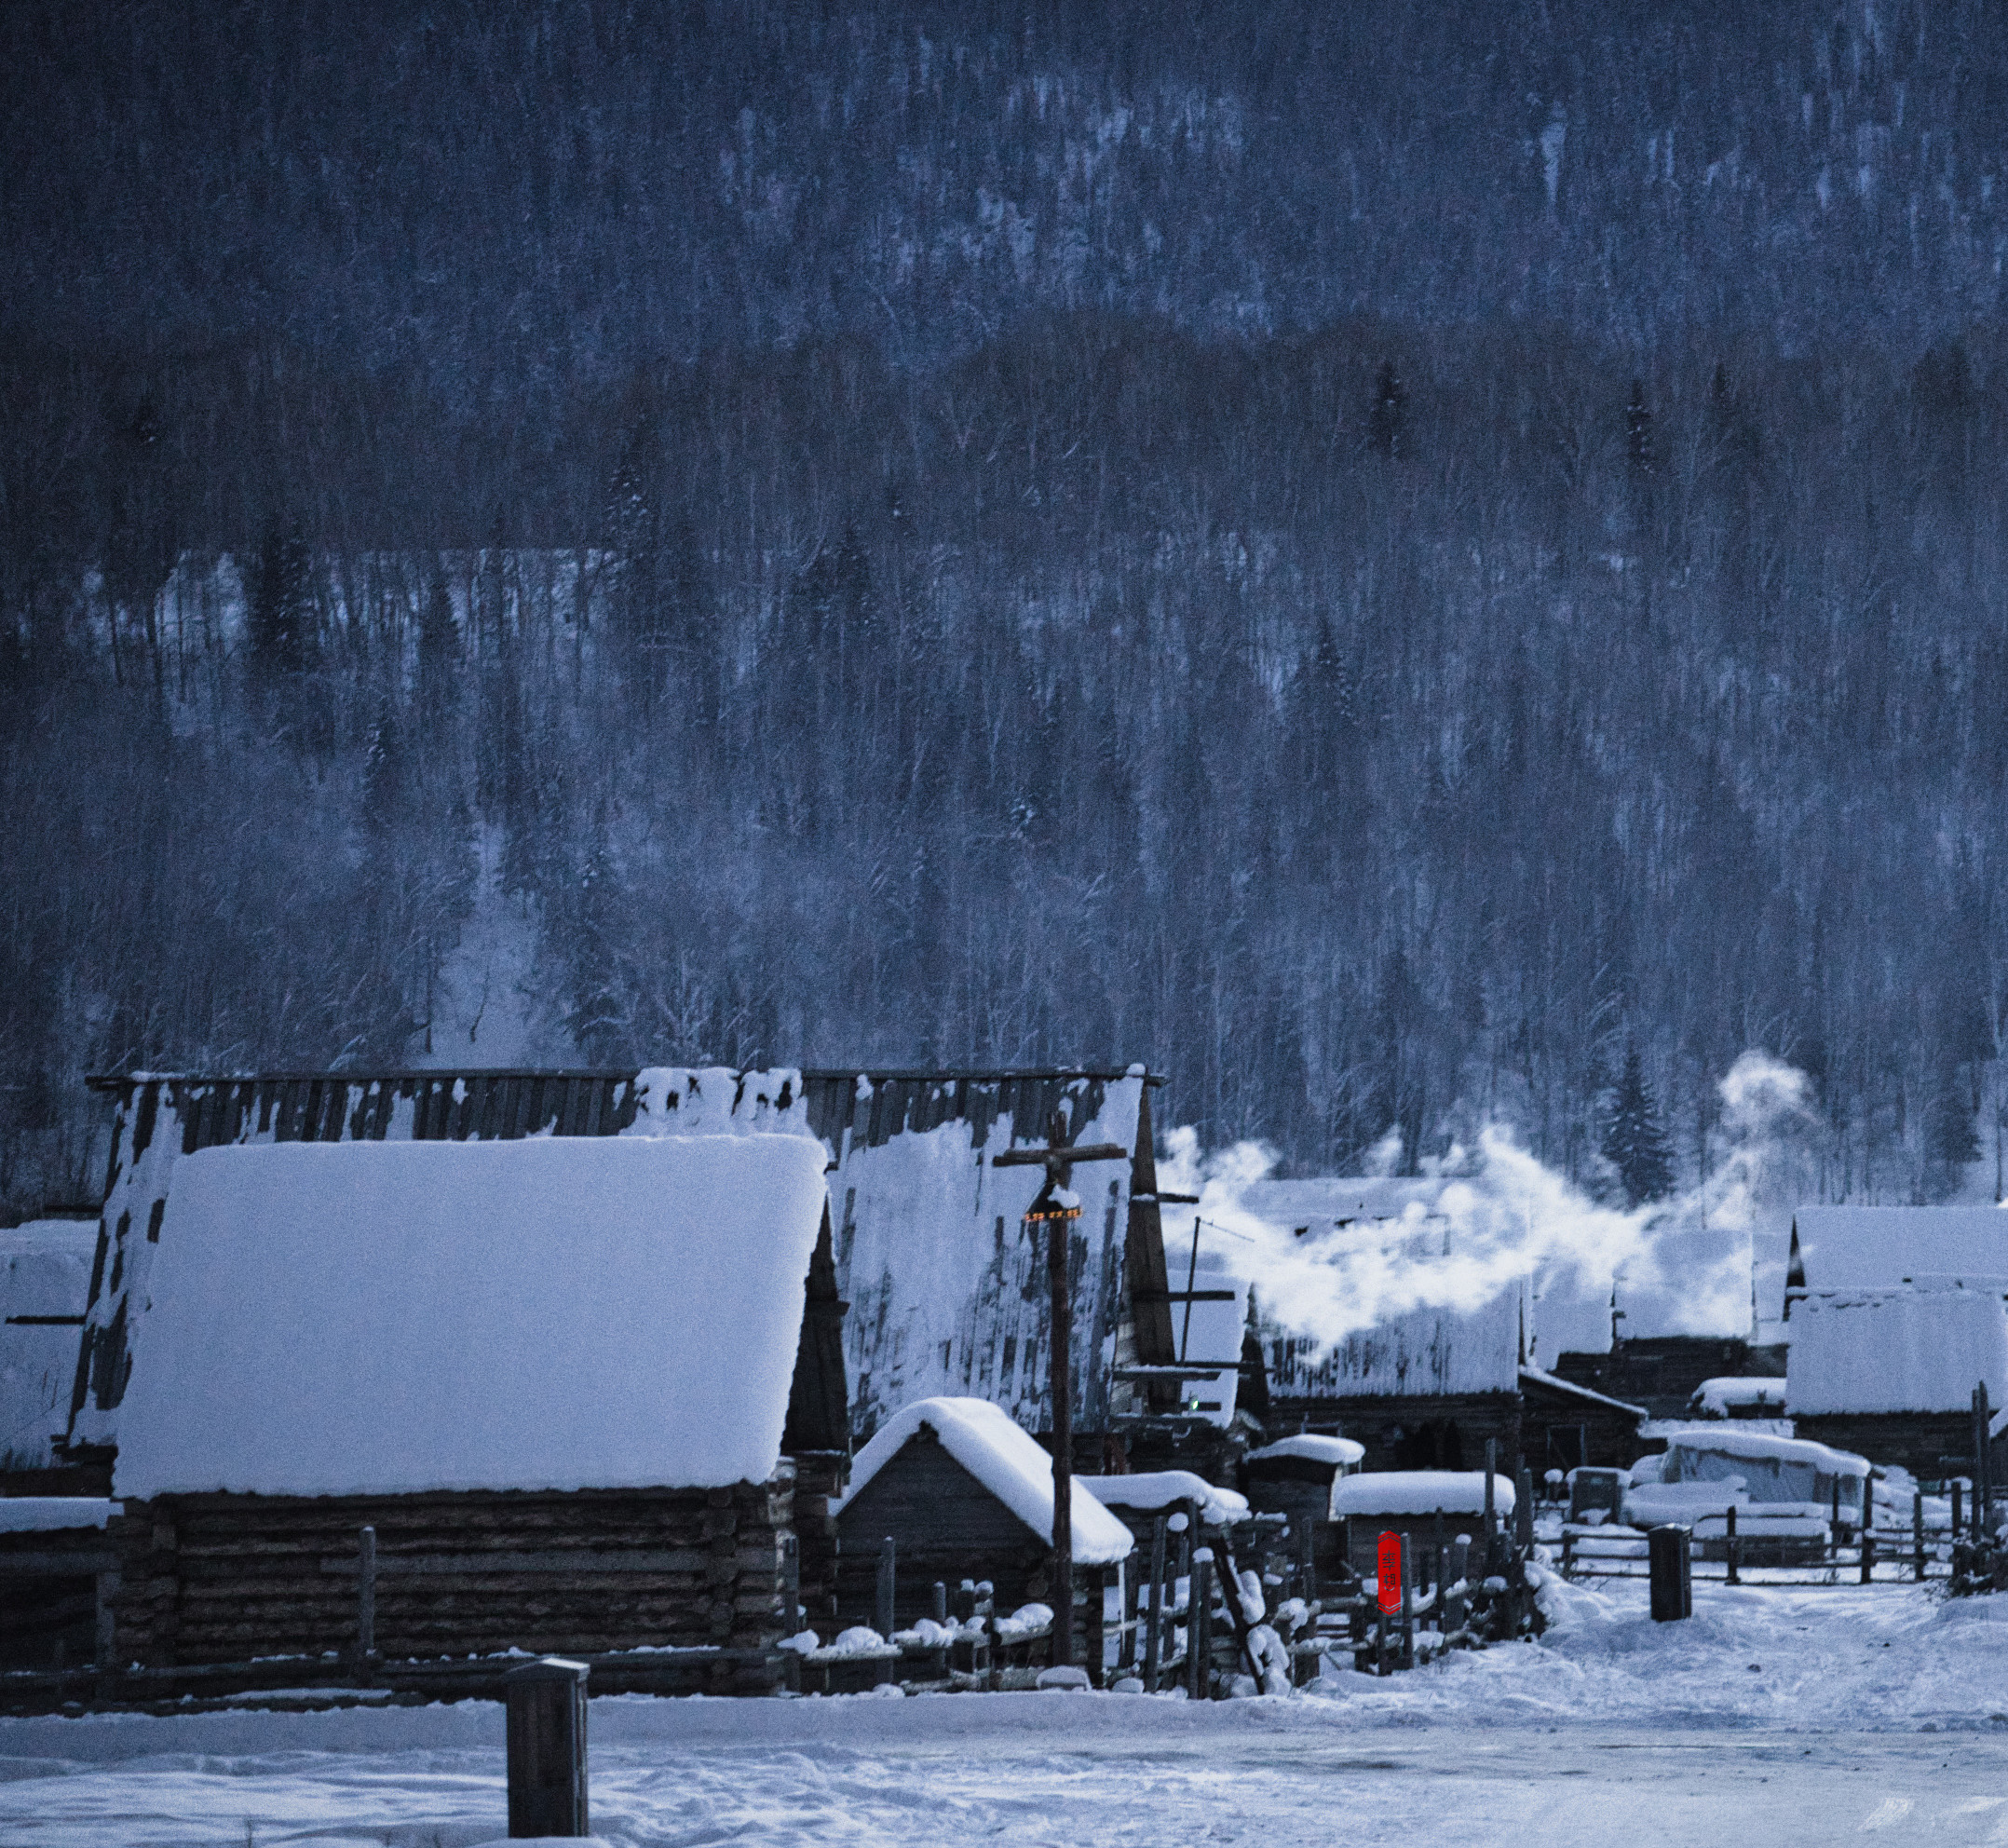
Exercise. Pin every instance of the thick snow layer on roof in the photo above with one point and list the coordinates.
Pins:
(1731, 1440)
(1149, 1490)
(1341, 1452)
(716, 1100)
(560, 1312)
(1006, 1461)
(1418, 1492)
(1718, 1396)
(1425, 1352)
(52, 1513)
(45, 1270)
(1896, 1351)
(1865, 1247)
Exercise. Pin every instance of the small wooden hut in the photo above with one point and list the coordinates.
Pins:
(550, 1376)
(963, 1492)
(1420, 1503)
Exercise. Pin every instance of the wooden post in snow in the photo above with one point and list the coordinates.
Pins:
(1060, 1212)
(365, 1597)
(547, 1748)
(1055, 1209)
(1917, 1533)
(1154, 1635)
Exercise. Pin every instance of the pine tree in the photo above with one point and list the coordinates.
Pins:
(1388, 409)
(280, 618)
(1634, 1140)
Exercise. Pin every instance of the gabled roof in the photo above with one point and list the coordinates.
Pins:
(1007, 1461)
(549, 1313)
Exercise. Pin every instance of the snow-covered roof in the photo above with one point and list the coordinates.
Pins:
(1418, 1492)
(1313, 1446)
(1870, 1248)
(555, 1312)
(1896, 1351)
(1732, 1440)
(1151, 1489)
(1716, 1396)
(1426, 1353)
(53, 1513)
(1006, 1461)
(1554, 1380)
(45, 1271)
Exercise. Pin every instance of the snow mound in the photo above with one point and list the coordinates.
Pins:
(716, 1100)
(1341, 1452)
(1148, 1491)
(1005, 1459)
(556, 1312)
(1419, 1493)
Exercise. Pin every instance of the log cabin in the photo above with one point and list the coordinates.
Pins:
(964, 1493)
(534, 1390)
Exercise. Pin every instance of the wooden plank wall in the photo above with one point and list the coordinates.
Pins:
(1398, 1429)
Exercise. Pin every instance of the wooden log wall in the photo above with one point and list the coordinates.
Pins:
(1931, 1446)
(227, 1578)
(1415, 1430)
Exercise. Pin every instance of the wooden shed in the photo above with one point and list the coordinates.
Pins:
(1422, 1503)
(963, 1492)
(548, 1378)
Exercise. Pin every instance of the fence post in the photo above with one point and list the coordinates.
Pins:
(884, 1612)
(1917, 1532)
(1666, 1551)
(1408, 1605)
(365, 1596)
(1523, 1511)
(1954, 1508)
(1307, 1561)
(1868, 1555)
(1732, 1547)
(1983, 1476)
(547, 1748)
(1154, 1635)
(1199, 1626)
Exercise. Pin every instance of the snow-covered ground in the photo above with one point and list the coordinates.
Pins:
(1801, 1716)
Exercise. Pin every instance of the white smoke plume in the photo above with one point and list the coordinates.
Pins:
(1481, 1220)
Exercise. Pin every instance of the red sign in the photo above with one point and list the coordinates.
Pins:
(1387, 1571)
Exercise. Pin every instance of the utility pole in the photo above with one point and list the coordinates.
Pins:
(1056, 1207)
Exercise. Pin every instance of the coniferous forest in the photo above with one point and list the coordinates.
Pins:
(1403, 562)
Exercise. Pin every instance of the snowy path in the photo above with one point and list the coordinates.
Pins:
(1876, 1713)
